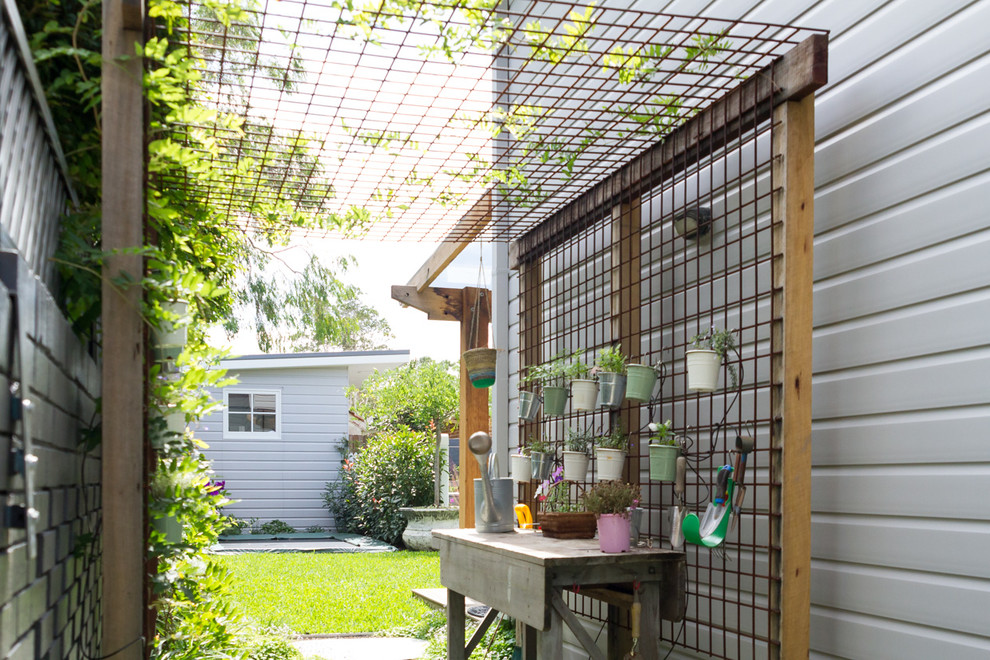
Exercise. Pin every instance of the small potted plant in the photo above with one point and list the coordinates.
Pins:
(640, 381)
(541, 458)
(610, 368)
(560, 518)
(553, 378)
(664, 451)
(584, 389)
(575, 454)
(520, 465)
(610, 502)
(611, 450)
(710, 351)
(529, 401)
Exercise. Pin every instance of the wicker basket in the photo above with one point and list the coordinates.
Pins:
(572, 525)
(480, 365)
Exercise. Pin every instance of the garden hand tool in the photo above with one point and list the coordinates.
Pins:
(710, 531)
(744, 445)
(480, 443)
(634, 615)
(678, 510)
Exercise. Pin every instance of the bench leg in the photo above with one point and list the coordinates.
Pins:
(455, 625)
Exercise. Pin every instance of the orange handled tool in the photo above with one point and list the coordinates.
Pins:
(524, 516)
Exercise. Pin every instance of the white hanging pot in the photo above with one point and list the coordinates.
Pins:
(584, 394)
(610, 463)
(575, 465)
(702, 369)
(519, 465)
(170, 337)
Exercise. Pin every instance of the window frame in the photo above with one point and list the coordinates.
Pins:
(252, 435)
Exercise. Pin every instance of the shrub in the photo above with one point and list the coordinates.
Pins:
(274, 527)
(394, 470)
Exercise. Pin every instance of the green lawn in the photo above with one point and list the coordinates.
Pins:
(333, 592)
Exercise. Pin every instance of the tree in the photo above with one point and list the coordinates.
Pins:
(313, 311)
(422, 395)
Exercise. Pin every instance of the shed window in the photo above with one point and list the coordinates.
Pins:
(252, 413)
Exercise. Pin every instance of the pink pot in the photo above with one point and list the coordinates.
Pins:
(613, 532)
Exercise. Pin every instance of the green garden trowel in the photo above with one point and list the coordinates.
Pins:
(709, 530)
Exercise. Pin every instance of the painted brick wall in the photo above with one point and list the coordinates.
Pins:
(49, 604)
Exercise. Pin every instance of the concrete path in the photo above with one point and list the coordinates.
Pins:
(361, 648)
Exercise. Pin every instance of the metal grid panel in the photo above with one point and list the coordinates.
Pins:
(682, 287)
(411, 139)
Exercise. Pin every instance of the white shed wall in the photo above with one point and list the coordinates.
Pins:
(902, 324)
(284, 478)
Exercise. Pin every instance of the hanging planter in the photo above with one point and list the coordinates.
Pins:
(540, 465)
(610, 463)
(529, 406)
(480, 366)
(584, 394)
(554, 400)
(702, 370)
(640, 381)
(663, 462)
(575, 465)
(519, 465)
(170, 527)
(612, 388)
(610, 366)
(170, 336)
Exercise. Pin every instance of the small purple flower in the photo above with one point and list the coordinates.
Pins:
(216, 487)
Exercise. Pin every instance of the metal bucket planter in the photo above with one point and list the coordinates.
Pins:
(519, 464)
(575, 465)
(663, 462)
(540, 464)
(610, 463)
(702, 369)
(613, 389)
(554, 400)
(640, 380)
(480, 366)
(584, 394)
(170, 527)
(529, 406)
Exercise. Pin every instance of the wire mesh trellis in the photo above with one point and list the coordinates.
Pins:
(629, 279)
(365, 115)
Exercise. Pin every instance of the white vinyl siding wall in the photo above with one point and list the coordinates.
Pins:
(900, 541)
(284, 478)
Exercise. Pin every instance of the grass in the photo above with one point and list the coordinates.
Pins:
(333, 592)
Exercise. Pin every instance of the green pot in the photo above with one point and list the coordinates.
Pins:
(640, 381)
(554, 400)
(663, 462)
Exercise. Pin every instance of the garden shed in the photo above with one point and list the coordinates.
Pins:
(281, 433)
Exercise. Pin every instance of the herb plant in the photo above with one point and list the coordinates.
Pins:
(611, 497)
(662, 434)
(611, 360)
(579, 440)
(616, 439)
(720, 341)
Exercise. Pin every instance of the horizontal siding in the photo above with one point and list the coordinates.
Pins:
(901, 400)
(284, 478)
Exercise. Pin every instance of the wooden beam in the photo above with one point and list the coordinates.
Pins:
(474, 404)
(440, 304)
(791, 367)
(464, 232)
(793, 76)
(132, 13)
(124, 523)
(625, 304)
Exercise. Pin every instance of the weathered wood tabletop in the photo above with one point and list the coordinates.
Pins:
(522, 574)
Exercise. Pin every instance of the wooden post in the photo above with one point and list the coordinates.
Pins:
(793, 238)
(625, 303)
(474, 403)
(123, 335)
